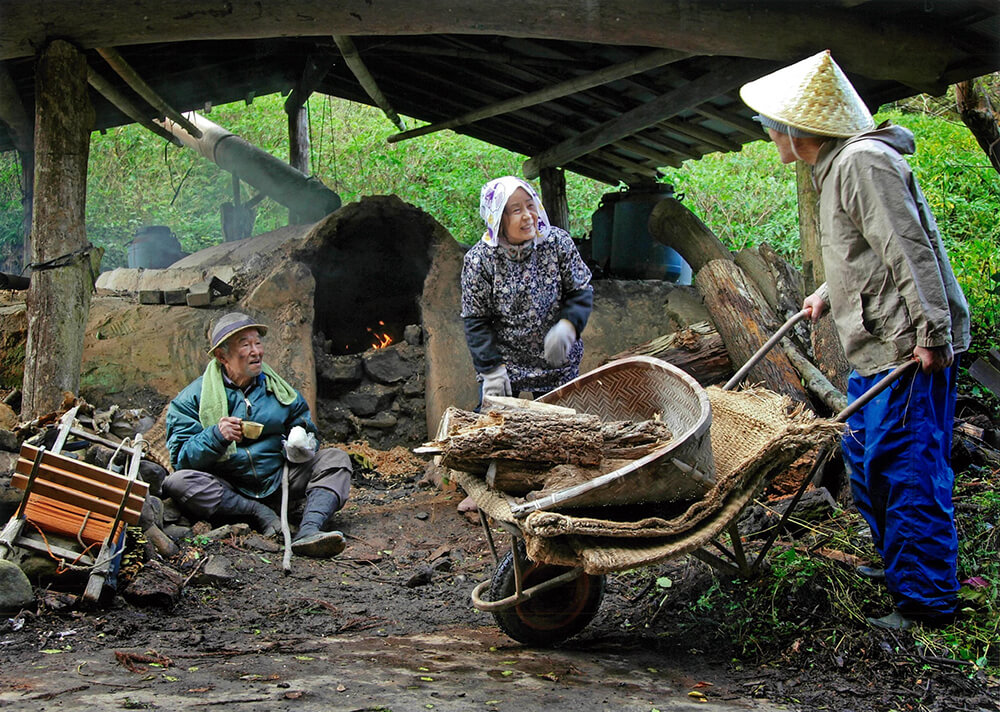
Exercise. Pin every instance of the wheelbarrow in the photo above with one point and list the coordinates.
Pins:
(550, 584)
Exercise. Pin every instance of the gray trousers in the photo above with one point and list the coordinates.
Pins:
(199, 493)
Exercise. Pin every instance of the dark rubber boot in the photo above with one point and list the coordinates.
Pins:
(257, 514)
(311, 541)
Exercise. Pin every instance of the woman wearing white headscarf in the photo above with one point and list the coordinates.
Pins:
(526, 295)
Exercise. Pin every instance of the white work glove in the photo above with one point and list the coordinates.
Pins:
(300, 445)
(559, 341)
(496, 382)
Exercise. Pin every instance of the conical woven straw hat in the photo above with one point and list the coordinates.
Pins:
(813, 95)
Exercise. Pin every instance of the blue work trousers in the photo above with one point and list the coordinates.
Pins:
(898, 451)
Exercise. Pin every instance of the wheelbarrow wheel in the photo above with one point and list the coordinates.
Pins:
(551, 616)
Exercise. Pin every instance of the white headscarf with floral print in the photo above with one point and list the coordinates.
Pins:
(492, 200)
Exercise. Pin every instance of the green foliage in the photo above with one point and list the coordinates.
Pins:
(963, 190)
(799, 591)
(747, 198)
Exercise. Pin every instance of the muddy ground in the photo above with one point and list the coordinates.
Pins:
(388, 625)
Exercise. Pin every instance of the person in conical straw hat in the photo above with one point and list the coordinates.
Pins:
(894, 298)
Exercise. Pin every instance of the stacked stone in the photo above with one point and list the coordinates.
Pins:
(377, 396)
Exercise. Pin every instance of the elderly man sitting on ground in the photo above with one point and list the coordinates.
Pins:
(230, 433)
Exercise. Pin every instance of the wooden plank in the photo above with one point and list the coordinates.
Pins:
(879, 46)
(68, 464)
(654, 59)
(726, 76)
(77, 498)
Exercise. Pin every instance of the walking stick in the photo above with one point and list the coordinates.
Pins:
(286, 562)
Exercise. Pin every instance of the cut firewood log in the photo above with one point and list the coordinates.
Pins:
(745, 322)
(524, 436)
(697, 350)
(495, 443)
(673, 225)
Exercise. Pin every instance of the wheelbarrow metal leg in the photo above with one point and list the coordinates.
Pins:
(716, 562)
(738, 554)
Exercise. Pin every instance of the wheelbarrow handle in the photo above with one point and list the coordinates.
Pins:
(762, 351)
(884, 383)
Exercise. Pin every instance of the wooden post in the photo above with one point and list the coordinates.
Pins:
(553, 182)
(827, 350)
(298, 148)
(19, 125)
(59, 296)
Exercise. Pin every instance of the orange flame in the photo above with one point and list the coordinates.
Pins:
(382, 339)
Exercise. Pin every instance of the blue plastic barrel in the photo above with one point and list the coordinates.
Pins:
(601, 226)
(154, 247)
(635, 254)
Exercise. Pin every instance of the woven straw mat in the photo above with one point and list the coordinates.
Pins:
(755, 435)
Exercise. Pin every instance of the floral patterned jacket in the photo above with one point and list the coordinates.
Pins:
(511, 298)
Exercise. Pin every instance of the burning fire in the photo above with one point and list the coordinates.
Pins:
(382, 339)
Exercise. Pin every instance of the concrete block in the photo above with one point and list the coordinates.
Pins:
(199, 295)
(150, 296)
(175, 296)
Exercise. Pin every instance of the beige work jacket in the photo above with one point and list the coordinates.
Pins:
(891, 286)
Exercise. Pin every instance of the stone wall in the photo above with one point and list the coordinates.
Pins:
(376, 396)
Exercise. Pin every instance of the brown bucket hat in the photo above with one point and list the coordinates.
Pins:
(229, 324)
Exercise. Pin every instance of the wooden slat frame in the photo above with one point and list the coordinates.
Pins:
(80, 485)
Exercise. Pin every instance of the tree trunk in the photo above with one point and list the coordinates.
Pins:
(697, 350)
(745, 322)
(61, 282)
(981, 121)
(673, 225)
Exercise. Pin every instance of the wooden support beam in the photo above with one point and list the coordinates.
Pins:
(365, 78)
(61, 280)
(744, 126)
(313, 72)
(127, 106)
(13, 114)
(140, 87)
(553, 183)
(21, 130)
(723, 78)
(781, 32)
(654, 59)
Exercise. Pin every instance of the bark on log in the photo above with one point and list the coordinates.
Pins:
(538, 439)
(777, 280)
(745, 322)
(59, 297)
(673, 225)
(698, 350)
(815, 380)
(525, 437)
(981, 121)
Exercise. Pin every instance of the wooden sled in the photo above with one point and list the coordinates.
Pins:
(76, 501)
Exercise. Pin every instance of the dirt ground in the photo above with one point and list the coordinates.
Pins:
(389, 625)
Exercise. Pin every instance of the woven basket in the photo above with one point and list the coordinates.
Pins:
(640, 388)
